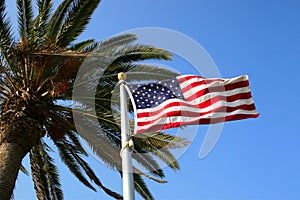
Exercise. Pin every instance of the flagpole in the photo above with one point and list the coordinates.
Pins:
(128, 184)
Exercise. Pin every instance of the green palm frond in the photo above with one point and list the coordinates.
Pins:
(65, 152)
(6, 42)
(148, 162)
(159, 144)
(137, 171)
(71, 157)
(91, 48)
(63, 124)
(74, 138)
(52, 173)
(148, 72)
(6, 39)
(39, 178)
(81, 45)
(102, 147)
(57, 19)
(45, 174)
(40, 23)
(141, 187)
(90, 173)
(137, 52)
(160, 140)
(167, 157)
(25, 18)
(116, 42)
(75, 22)
(43, 5)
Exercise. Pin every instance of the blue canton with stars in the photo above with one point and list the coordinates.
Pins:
(153, 94)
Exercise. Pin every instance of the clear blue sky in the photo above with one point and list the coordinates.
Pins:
(254, 159)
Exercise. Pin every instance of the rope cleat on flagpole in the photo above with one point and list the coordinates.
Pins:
(130, 144)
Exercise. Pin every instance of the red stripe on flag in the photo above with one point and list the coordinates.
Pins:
(198, 83)
(182, 79)
(227, 87)
(186, 113)
(157, 127)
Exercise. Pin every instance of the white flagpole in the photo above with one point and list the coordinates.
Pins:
(128, 184)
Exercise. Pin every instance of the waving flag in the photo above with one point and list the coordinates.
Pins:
(189, 99)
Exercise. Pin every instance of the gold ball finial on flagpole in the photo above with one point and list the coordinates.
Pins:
(122, 76)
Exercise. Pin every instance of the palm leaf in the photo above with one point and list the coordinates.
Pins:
(68, 159)
(6, 42)
(57, 19)
(159, 145)
(167, 157)
(51, 171)
(148, 72)
(91, 48)
(76, 21)
(38, 177)
(160, 140)
(43, 5)
(132, 53)
(141, 187)
(148, 162)
(81, 45)
(93, 176)
(62, 124)
(40, 23)
(25, 16)
(45, 174)
(137, 171)
(116, 42)
(101, 146)
(78, 164)
(6, 39)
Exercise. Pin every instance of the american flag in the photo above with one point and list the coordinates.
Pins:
(189, 99)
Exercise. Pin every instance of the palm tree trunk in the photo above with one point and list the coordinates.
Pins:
(11, 156)
(19, 132)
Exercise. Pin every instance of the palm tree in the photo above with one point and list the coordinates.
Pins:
(37, 74)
